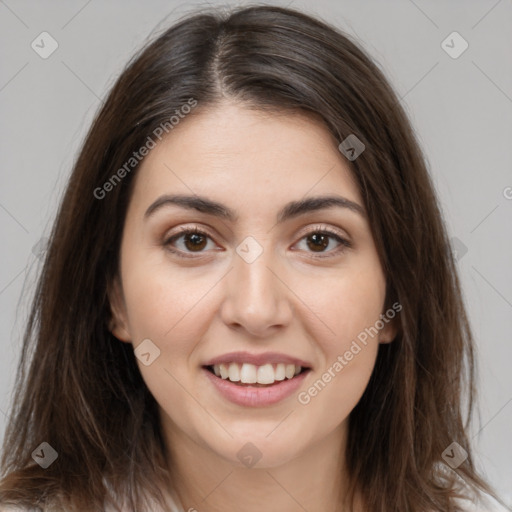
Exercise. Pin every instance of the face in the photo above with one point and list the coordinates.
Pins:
(263, 288)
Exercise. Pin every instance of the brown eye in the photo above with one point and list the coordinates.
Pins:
(194, 240)
(319, 240)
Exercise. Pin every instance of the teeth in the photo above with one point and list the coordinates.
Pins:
(234, 372)
(265, 374)
(289, 371)
(280, 373)
(250, 374)
(223, 370)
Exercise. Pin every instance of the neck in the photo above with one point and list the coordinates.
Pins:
(315, 480)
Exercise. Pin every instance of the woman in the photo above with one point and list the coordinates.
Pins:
(249, 300)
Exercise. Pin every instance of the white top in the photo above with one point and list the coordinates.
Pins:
(486, 505)
(171, 501)
(172, 505)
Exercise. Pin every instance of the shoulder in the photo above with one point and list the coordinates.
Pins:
(19, 508)
(484, 504)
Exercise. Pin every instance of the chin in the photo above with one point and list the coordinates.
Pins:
(257, 452)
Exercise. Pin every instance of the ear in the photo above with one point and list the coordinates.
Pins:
(391, 321)
(388, 333)
(118, 324)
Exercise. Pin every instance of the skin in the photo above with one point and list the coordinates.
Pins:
(287, 301)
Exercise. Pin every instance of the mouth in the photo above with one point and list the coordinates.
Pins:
(252, 376)
(248, 385)
(256, 380)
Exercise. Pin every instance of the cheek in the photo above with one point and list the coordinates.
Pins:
(163, 308)
(160, 302)
(344, 307)
(170, 308)
(351, 309)
(329, 399)
(349, 353)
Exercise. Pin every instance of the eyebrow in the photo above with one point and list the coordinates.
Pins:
(289, 211)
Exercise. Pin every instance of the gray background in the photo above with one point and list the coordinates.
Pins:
(461, 109)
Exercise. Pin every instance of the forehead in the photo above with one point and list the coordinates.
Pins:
(247, 157)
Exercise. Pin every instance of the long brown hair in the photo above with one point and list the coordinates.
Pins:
(79, 389)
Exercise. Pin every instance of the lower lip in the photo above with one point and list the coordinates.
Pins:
(250, 396)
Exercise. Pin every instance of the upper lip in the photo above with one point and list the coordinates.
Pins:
(257, 359)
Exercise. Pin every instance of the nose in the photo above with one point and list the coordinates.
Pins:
(256, 298)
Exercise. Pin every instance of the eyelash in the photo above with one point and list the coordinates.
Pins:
(324, 230)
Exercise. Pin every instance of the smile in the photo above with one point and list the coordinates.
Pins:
(255, 386)
(246, 373)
